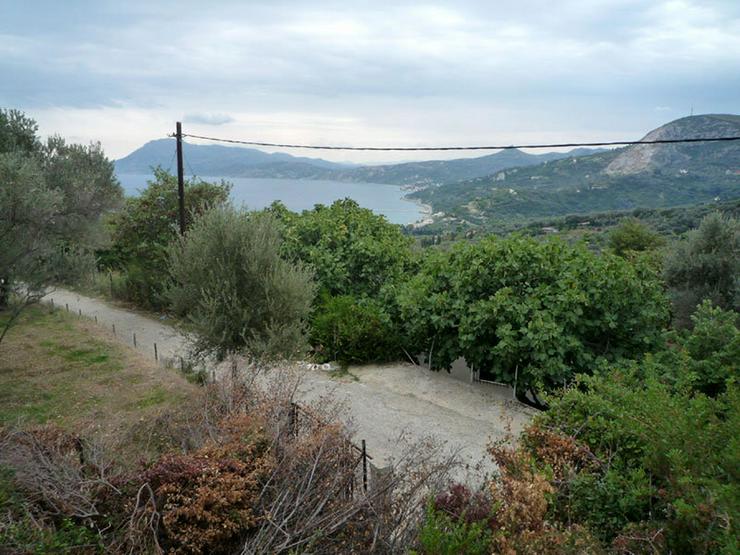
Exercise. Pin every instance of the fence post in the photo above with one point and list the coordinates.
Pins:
(156, 355)
(80, 312)
(96, 318)
(52, 305)
(364, 467)
(114, 329)
(66, 305)
(134, 333)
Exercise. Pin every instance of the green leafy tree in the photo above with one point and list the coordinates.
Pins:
(232, 284)
(705, 265)
(352, 331)
(531, 313)
(18, 132)
(28, 209)
(631, 235)
(146, 226)
(51, 198)
(352, 250)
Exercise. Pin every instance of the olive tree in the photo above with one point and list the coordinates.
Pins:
(231, 283)
(705, 264)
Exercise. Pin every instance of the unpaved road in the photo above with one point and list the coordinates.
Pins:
(382, 401)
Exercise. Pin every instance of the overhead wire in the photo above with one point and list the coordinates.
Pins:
(444, 148)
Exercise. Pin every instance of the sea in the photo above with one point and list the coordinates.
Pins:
(298, 195)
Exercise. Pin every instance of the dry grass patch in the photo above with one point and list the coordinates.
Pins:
(56, 368)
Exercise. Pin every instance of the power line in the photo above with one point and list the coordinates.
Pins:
(489, 147)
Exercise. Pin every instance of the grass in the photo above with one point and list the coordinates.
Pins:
(56, 368)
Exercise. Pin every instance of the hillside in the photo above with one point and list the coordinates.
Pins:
(437, 172)
(649, 176)
(219, 160)
(229, 161)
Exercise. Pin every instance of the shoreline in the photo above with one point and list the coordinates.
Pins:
(426, 212)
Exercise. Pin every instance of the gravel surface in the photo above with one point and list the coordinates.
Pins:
(383, 401)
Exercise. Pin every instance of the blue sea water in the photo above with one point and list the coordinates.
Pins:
(297, 195)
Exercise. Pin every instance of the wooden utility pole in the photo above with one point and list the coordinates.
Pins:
(180, 178)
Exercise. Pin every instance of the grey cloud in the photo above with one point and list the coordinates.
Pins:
(208, 118)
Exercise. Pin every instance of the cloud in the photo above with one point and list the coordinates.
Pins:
(208, 118)
(381, 72)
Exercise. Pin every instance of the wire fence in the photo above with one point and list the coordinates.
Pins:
(300, 418)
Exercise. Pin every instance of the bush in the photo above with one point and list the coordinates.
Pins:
(232, 284)
(442, 534)
(705, 265)
(353, 331)
(668, 460)
(146, 226)
(631, 235)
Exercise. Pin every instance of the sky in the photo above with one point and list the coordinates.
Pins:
(375, 73)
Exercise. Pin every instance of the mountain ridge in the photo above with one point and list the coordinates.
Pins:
(621, 179)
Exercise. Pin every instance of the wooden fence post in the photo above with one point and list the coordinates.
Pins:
(364, 467)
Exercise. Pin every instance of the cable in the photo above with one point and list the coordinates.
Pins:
(500, 147)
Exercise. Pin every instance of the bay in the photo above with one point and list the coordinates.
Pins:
(298, 195)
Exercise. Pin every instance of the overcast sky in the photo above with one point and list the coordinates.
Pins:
(367, 73)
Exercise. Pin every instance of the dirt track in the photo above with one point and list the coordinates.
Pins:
(383, 401)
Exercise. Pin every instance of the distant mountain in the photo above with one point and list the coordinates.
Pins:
(438, 172)
(228, 161)
(218, 160)
(649, 176)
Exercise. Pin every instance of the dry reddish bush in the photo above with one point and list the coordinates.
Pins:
(640, 539)
(460, 502)
(563, 454)
(207, 499)
(522, 498)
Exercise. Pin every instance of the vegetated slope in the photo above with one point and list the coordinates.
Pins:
(650, 176)
(437, 172)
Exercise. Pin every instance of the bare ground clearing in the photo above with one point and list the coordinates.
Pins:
(383, 401)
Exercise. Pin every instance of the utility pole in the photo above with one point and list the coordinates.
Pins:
(180, 178)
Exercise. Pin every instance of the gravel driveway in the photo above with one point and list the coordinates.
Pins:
(383, 401)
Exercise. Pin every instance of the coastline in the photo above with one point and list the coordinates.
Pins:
(426, 211)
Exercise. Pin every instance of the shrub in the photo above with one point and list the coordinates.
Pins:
(442, 534)
(353, 331)
(705, 265)
(148, 223)
(208, 499)
(631, 235)
(232, 284)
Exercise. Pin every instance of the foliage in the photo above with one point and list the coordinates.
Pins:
(207, 498)
(655, 470)
(705, 265)
(352, 250)
(232, 284)
(534, 313)
(706, 357)
(351, 331)
(18, 132)
(441, 534)
(146, 226)
(27, 211)
(52, 198)
(633, 236)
